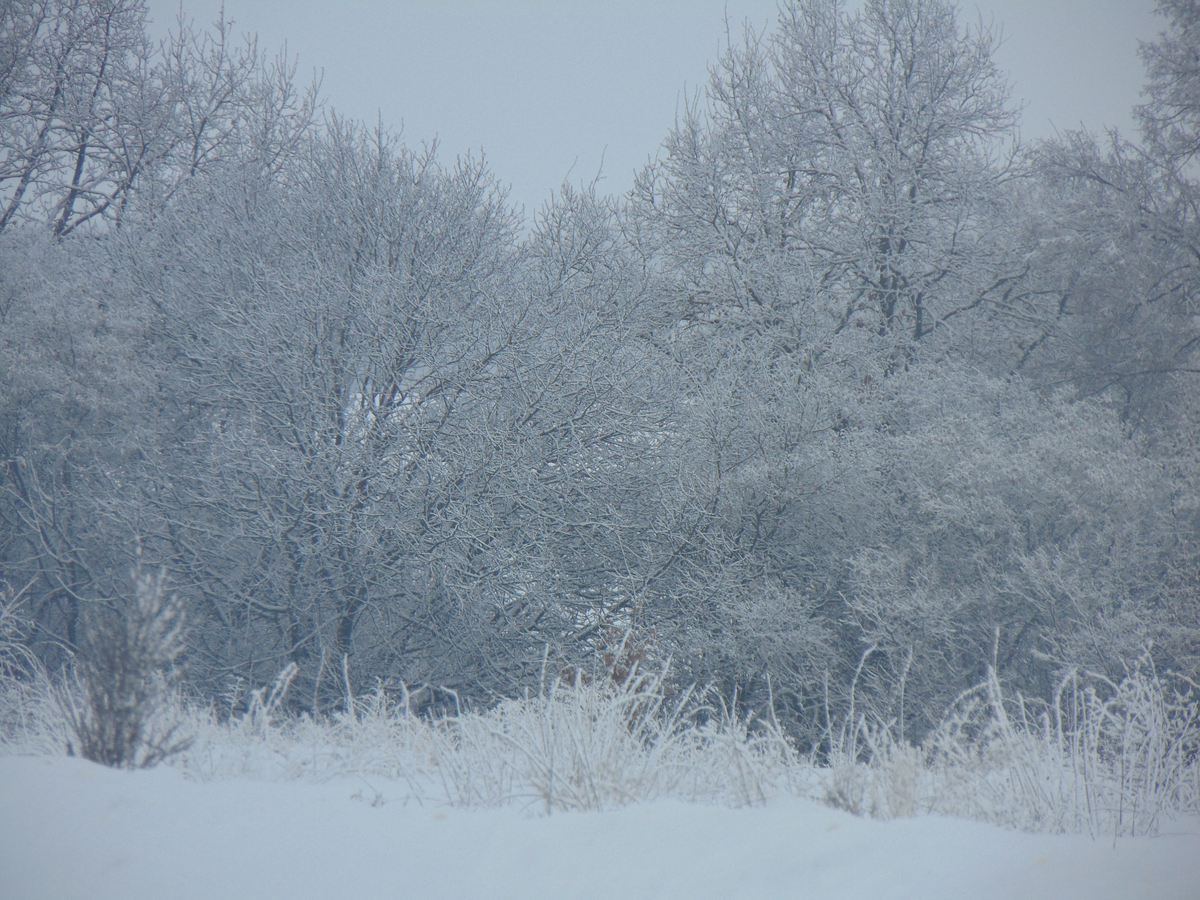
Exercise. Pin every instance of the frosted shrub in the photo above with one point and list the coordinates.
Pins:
(1100, 757)
(590, 746)
(123, 679)
(574, 746)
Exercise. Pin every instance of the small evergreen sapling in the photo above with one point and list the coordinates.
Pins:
(126, 668)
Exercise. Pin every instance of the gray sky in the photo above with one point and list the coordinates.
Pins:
(547, 89)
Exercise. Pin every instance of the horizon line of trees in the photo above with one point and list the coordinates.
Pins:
(851, 397)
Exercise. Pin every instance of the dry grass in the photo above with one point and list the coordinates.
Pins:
(1100, 757)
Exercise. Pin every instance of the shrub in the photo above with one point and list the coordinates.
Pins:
(1099, 757)
(125, 671)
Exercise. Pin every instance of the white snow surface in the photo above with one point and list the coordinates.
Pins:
(70, 830)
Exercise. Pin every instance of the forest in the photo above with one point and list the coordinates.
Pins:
(854, 402)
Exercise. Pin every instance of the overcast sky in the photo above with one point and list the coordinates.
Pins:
(548, 88)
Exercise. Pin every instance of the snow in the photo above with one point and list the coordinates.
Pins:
(71, 829)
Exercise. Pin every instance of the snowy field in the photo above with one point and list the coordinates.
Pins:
(596, 791)
(72, 829)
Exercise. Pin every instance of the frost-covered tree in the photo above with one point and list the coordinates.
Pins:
(72, 416)
(96, 123)
(831, 214)
(95, 116)
(836, 406)
(399, 439)
(1115, 259)
(848, 171)
(1021, 532)
(1170, 119)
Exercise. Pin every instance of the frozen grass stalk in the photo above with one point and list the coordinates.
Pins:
(1099, 757)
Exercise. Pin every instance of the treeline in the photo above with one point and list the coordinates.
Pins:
(853, 396)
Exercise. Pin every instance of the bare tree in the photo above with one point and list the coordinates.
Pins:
(402, 440)
(94, 114)
(82, 113)
(1116, 259)
(95, 123)
(849, 171)
(819, 223)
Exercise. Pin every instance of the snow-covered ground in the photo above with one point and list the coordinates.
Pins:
(71, 830)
